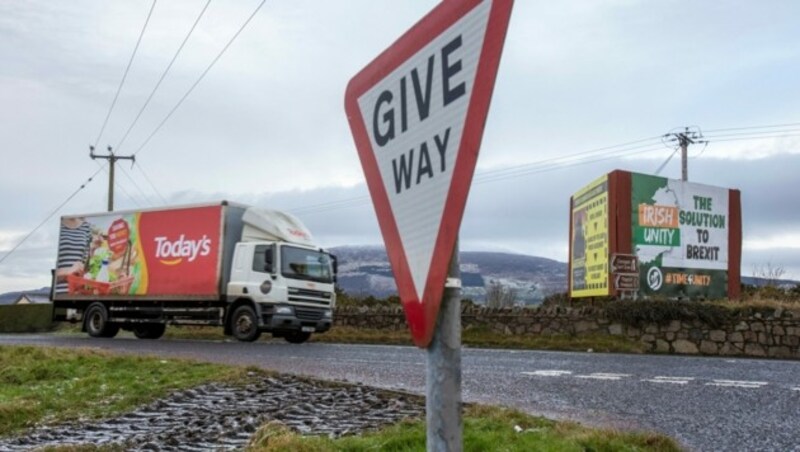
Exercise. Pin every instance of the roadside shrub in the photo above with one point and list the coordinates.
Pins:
(26, 318)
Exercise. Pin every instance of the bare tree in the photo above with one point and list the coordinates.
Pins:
(770, 273)
(500, 296)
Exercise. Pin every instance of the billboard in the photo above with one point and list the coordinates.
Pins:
(680, 234)
(685, 238)
(589, 241)
(153, 253)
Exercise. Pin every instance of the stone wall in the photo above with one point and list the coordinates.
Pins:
(767, 333)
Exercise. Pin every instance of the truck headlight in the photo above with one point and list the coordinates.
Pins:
(328, 314)
(285, 310)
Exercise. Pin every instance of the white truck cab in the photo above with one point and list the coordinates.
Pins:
(290, 281)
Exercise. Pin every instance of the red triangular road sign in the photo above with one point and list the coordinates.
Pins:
(417, 114)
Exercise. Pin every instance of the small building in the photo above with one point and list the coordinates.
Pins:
(31, 299)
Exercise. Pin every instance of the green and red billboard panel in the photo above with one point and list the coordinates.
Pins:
(686, 236)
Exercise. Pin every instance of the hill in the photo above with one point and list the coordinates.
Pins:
(10, 297)
(365, 270)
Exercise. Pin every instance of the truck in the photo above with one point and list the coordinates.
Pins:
(247, 269)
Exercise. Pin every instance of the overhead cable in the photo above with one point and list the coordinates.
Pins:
(55, 211)
(194, 85)
(125, 75)
(163, 76)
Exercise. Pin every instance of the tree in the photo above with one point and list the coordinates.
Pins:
(770, 273)
(500, 296)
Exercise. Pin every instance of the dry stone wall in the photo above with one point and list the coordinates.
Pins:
(771, 333)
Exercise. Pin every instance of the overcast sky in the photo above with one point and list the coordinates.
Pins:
(267, 125)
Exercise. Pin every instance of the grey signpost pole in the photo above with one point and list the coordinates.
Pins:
(443, 379)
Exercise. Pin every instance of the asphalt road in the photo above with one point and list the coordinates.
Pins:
(709, 404)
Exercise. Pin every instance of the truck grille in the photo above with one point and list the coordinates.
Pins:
(310, 296)
(308, 314)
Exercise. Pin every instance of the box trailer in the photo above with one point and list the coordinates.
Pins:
(247, 269)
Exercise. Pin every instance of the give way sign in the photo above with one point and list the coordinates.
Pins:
(417, 114)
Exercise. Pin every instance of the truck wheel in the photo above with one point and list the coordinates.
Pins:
(97, 324)
(149, 330)
(297, 337)
(244, 324)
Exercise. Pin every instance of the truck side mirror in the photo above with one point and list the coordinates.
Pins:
(335, 264)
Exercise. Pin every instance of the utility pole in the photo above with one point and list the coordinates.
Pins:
(112, 160)
(689, 135)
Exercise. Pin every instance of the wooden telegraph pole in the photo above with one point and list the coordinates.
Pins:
(112, 160)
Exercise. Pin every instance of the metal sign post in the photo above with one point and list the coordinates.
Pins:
(443, 379)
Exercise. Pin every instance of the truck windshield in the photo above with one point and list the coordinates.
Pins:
(309, 265)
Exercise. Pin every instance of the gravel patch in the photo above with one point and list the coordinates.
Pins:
(223, 417)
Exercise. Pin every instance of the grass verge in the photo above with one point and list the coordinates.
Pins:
(52, 385)
(47, 385)
(484, 338)
(473, 337)
(485, 428)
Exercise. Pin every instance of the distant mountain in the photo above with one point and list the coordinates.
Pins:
(9, 297)
(761, 282)
(365, 270)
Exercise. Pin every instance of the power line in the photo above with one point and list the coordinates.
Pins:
(528, 169)
(559, 161)
(136, 185)
(125, 75)
(663, 165)
(481, 178)
(622, 146)
(772, 126)
(55, 211)
(763, 132)
(149, 181)
(163, 75)
(172, 111)
(238, 32)
(493, 176)
(758, 138)
(510, 171)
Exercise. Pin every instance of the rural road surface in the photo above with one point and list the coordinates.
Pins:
(708, 404)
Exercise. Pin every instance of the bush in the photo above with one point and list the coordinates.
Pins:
(26, 318)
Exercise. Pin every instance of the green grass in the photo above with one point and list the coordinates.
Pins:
(51, 384)
(473, 337)
(485, 428)
(485, 338)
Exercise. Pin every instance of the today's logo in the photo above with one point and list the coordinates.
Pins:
(172, 252)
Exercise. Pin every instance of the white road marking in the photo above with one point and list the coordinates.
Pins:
(660, 379)
(548, 373)
(738, 384)
(603, 376)
(670, 380)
